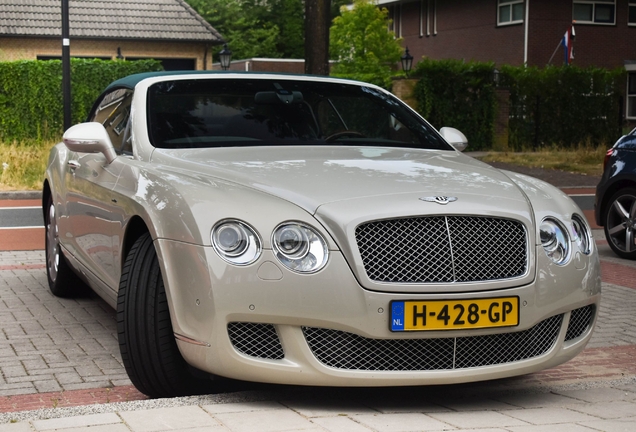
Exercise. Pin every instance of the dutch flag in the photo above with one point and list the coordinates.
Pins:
(567, 40)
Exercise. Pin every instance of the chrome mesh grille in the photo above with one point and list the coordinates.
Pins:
(442, 249)
(344, 350)
(256, 340)
(580, 320)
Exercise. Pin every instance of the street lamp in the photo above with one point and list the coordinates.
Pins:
(496, 75)
(407, 61)
(225, 56)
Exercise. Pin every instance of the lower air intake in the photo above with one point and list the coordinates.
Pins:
(342, 350)
(256, 340)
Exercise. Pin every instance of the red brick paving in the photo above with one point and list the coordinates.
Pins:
(593, 364)
(21, 239)
(618, 274)
(20, 203)
(69, 398)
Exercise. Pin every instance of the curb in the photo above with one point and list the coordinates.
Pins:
(20, 195)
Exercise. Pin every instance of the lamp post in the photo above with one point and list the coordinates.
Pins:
(66, 66)
(225, 57)
(495, 77)
(407, 61)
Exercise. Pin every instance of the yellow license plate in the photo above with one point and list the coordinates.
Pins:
(454, 314)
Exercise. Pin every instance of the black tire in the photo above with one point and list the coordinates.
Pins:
(619, 223)
(146, 339)
(63, 282)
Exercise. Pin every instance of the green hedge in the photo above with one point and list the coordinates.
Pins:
(460, 95)
(565, 106)
(31, 93)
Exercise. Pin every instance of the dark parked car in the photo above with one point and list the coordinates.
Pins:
(615, 205)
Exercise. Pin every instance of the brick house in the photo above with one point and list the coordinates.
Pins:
(518, 32)
(166, 30)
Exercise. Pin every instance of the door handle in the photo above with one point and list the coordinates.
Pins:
(73, 164)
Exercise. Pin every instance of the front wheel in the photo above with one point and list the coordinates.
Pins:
(146, 339)
(63, 282)
(620, 223)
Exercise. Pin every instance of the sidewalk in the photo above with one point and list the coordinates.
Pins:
(485, 407)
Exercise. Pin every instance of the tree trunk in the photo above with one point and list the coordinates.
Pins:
(317, 20)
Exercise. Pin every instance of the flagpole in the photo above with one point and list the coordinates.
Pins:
(555, 51)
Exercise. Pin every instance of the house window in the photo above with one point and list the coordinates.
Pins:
(594, 12)
(631, 95)
(509, 12)
(632, 12)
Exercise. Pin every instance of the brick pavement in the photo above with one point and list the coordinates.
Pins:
(63, 352)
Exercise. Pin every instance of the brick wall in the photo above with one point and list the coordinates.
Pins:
(467, 29)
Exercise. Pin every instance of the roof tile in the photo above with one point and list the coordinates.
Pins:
(129, 19)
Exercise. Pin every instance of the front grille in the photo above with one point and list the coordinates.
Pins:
(580, 321)
(344, 350)
(256, 340)
(443, 249)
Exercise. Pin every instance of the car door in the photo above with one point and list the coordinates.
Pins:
(93, 215)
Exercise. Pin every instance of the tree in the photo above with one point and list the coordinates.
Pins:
(362, 46)
(317, 16)
(244, 24)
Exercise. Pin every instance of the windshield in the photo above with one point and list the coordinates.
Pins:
(261, 112)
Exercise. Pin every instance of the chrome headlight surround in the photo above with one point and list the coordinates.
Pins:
(300, 247)
(236, 242)
(555, 240)
(582, 234)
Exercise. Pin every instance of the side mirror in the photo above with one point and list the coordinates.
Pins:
(455, 138)
(90, 138)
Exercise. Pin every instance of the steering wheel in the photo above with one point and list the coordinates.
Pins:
(335, 136)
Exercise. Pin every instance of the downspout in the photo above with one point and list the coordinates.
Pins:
(205, 57)
(525, 37)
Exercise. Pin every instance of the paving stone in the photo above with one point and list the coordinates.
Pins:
(478, 419)
(177, 418)
(327, 408)
(401, 422)
(609, 410)
(339, 423)
(242, 407)
(625, 425)
(76, 422)
(537, 400)
(265, 421)
(600, 395)
(550, 416)
(16, 427)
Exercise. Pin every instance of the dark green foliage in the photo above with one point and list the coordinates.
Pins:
(460, 95)
(565, 106)
(31, 93)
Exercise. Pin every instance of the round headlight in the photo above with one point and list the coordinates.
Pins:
(299, 247)
(236, 242)
(554, 240)
(581, 234)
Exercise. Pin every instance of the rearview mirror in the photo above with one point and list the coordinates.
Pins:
(454, 137)
(90, 138)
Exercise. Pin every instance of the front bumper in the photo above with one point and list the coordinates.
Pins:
(272, 312)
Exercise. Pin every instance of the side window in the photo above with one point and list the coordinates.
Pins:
(114, 113)
(631, 95)
(510, 12)
(594, 11)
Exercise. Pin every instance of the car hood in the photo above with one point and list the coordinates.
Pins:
(315, 176)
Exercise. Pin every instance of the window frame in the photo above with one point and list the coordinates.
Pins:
(631, 4)
(594, 3)
(631, 73)
(511, 3)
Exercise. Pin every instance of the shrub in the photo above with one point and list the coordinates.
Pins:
(31, 104)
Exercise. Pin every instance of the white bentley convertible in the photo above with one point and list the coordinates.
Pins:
(313, 231)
